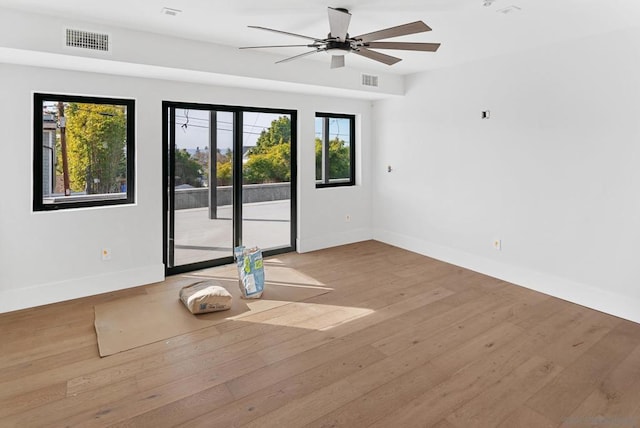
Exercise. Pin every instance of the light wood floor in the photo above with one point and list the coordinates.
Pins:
(403, 340)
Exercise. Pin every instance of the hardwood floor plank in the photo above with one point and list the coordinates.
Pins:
(58, 413)
(463, 280)
(149, 399)
(33, 399)
(384, 372)
(376, 401)
(539, 312)
(448, 396)
(182, 410)
(220, 348)
(462, 316)
(614, 399)
(402, 340)
(34, 348)
(559, 399)
(524, 417)
(48, 362)
(399, 314)
(446, 424)
(480, 339)
(316, 346)
(582, 332)
(494, 405)
(303, 410)
(461, 386)
(376, 380)
(277, 394)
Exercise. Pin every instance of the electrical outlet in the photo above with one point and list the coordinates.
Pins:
(497, 244)
(347, 218)
(106, 254)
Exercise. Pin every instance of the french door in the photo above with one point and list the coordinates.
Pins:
(230, 179)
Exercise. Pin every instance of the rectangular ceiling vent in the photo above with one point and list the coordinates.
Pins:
(171, 12)
(87, 40)
(370, 80)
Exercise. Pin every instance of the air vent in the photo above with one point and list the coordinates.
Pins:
(369, 80)
(171, 12)
(87, 40)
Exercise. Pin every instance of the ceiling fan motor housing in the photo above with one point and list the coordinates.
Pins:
(334, 45)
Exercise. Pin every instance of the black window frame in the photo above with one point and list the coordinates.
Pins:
(38, 193)
(352, 152)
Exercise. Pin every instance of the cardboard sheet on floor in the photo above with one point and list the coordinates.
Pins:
(140, 320)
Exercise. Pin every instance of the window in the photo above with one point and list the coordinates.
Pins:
(335, 150)
(83, 151)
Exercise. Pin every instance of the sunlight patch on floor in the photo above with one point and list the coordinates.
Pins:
(311, 316)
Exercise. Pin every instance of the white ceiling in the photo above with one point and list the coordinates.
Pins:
(467, 29)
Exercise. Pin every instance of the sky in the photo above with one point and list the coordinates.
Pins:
(192, 128)
(338, 127)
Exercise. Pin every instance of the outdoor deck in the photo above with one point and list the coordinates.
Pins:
(198, 238)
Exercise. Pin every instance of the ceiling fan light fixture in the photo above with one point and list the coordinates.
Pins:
(337, 61)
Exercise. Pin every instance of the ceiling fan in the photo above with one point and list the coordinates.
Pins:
(338, 43)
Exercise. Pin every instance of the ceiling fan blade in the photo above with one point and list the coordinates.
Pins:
(297, 56)
(277, 46)
(339, 23)
(426, 47)
(400, 30)
(377, 56)
(284, 32)
(337, 61)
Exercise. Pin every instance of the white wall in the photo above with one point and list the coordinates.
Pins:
(555, 172)
(52, 256)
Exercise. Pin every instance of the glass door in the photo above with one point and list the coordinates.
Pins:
(230, 180)
(266, 184)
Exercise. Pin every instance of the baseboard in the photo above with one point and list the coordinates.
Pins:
(626, 307)
(44, 294)
(333, 240)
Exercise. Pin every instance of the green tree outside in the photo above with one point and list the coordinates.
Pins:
(187, 169)
(202, 158)
(270, 160)
(339, 159)
(273, 165)
(224, 168)
(96, 143)
(277, 134)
